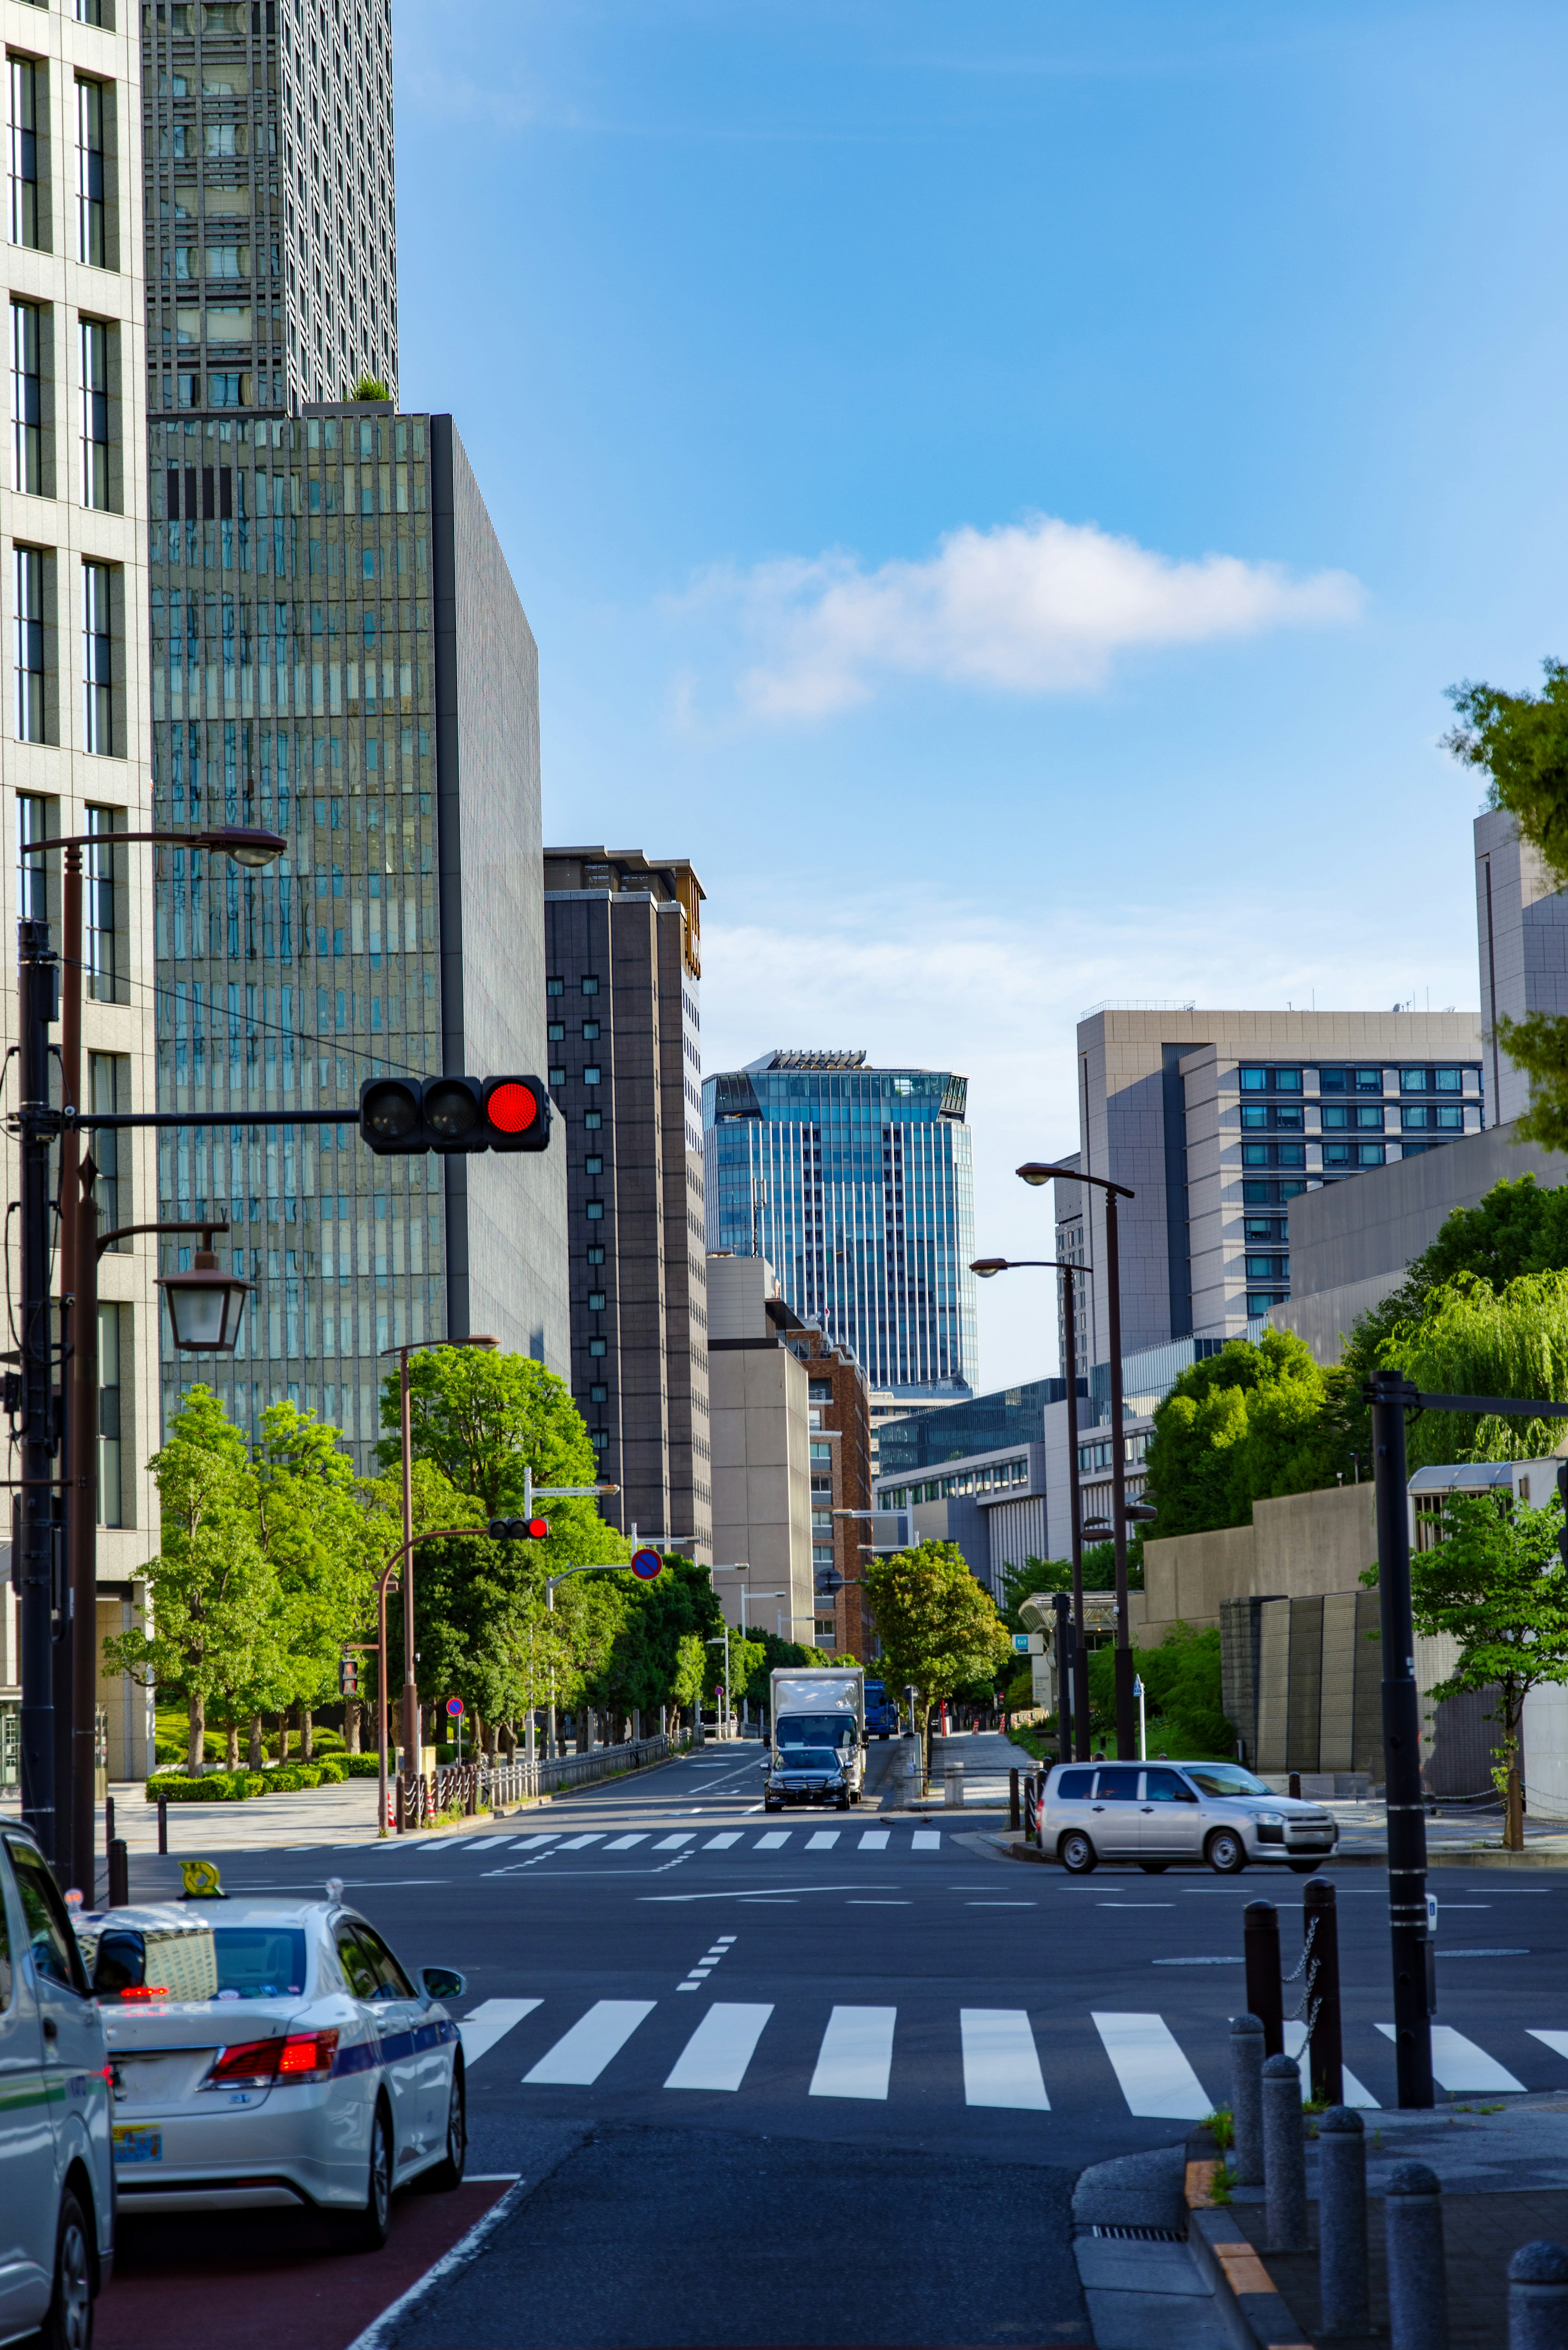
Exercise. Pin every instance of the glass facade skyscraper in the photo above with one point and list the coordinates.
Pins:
(856, 1185)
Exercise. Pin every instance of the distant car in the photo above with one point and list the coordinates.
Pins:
(807, 1774)
(56, 2173)
(269, 2051)
(1155, 1814)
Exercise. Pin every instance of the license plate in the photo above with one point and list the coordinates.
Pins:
(136, 2145)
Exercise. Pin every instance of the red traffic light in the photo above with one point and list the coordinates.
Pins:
(538, 1529)
(454, 1113)
(517, 1114)
(519, 1530)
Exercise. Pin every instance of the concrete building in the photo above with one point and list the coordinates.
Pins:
(1522, 932)
(759, 1395)
(271, 202)
(623, 963)
(1216, 1121)
(357, 671)
(839, 1425)
(73, 517)
(857, 1183)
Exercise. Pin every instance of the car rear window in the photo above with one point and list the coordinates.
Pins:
(199, 1962)
(1072, 1786)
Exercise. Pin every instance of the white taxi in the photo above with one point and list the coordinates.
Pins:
(266, 2051)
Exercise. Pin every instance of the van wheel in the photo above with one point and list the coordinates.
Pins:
(68, 2326)
(1154, 1867)
(1305, 1867)
(1077, 1853)
(367, 2229)
(1225, 1853)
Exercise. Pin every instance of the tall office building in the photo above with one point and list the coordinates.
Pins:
(1216, 1121)
(338, 652)
(857, 1184)
(271, 211)
(623, 973)
(73, 517)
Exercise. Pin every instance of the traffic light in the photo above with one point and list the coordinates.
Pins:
(348, 1674)
(1562, 1529)
(519, 1529)
(403, 1115)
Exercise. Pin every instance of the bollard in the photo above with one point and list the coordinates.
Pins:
(119, 1875)
(1320, 1917)
(1284, 2156)
(1265, 1999)
(1012, 1818)
(1295, 1786)
(1417, 2279)
(162, 1822)
(954, 1786)
(1538, 2298)
(1342, 2222)
(1247, 2099)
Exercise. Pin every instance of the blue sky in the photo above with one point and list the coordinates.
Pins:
(1003, 486)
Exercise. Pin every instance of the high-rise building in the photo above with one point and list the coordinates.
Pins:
(857, 1183)
(1216, 1121)
(623, 973)
(1521, 924)
(73, 519)
(763, 1468)
(338, 652)
(271, 210)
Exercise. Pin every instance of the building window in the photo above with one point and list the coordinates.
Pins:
(1350, 1081)
(1449, 1117)
(1447, 1081)
(89, 174)
(107, 980)
(1370, 1154)
(27, 102)
(595, 1301)
(1335, 1117)
(594, 1166)
(590, 1032)
(89, 11)
(29, 609)
(108, 1089)
(558, 1076)
(600, 1439)
(223, 390)
(97, 661)
(555, 1032)
(595, 1211)
(591, 1074)
(598, 1395)
(593, 1119)
(598, 1345)
(95, 412)
(1270, 1080)
(112, 1342)
(596, 1256)
(590, 983)
(1259, 1301)
(27, 402)
(1268, 1268)
(556, 987)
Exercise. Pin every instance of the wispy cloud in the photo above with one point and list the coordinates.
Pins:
(1037, 607)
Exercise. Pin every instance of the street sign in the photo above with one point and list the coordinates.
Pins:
(1020, 1643)
(454, 1707)
(646, 1564)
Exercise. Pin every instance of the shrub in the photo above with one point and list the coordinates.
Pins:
(361, 1766)
(213, 1787)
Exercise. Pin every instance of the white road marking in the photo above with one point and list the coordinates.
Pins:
(772, 1841)
(624, 1843)
(874, 1840)
(857, 2053)
(1155, 2077)
(482, 1844)
(490, 2022)
(673, 1843)
(527, 1844)
(1556, 2041)
(580, 2055)
(1001, 2062)
(1458, 2064)
(1355, 2093)
(722, 1843)
(575, 1844)
(823, 1841)
(719, 2051)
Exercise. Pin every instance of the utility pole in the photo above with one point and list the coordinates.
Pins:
(1391, 1395)
(38, 975)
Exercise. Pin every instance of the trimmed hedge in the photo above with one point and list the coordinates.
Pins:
(213, 1787)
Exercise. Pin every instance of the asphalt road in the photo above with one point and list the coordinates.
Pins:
(835, 2087)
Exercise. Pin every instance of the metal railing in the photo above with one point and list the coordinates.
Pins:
(422, 1798)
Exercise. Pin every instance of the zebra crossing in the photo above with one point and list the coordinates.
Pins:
(865, 1839)
(1007, 2059)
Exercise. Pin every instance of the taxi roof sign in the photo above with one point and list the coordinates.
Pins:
(202, 1881)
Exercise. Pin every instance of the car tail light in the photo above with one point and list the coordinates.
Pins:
(303, 2056)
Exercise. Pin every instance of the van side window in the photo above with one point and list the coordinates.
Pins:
(1118, 1785)
(55, 1954)
(1072, 1786)
(1167, 1787)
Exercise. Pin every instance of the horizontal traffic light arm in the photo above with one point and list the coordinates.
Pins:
(348, 1116)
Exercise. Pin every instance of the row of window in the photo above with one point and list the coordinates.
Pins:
(31, 629)
(31, 471)
(1423, 1078)
(1363, 1118)
(556, 985)
(27, 126)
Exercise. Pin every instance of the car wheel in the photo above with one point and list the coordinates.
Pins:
(1154, 1867)
(367, 2229)
(1305, 1867)
(1075, 1853)
(443, 2176)
(68, 2326)
(1225, 1853)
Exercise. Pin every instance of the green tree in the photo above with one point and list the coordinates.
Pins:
(369, 387)
(312, 1526)
(1183, 1704)
(1520, 741)
(1250, 1423)
(1495, 1585)
(213, 1594)
(691, 1662)
(939, 1628)
(1472, 1339)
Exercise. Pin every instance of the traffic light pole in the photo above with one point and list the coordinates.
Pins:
(38, 975)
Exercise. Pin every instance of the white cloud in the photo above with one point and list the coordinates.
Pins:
(1038, 606)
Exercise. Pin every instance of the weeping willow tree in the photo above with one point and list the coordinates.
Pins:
(1472, 1339)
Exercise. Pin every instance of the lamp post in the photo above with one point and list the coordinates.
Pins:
(988, 1267)
(1036, 1173)
(57, 1752)
(722, 1641)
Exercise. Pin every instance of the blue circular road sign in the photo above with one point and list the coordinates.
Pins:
(646, 1564)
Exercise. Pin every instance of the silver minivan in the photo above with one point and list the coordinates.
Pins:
(56, 2164)
(1157, 1814)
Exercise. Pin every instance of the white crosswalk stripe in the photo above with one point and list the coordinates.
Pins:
(624, 1843)
(927, 1840)
(722, 1843)
(1296, 2046)
(1458, 2064)
(874, 1840)
(1001, 2062)
(482, 1844)
(1155, 2078)
(527, 1842)
(1556, 2041)
(580, 2055)
(719, 2051)
(772, 1841)
(823, 1841)
(857, 2053)
(673, 1843)
(575, 1844)
(489, 2022)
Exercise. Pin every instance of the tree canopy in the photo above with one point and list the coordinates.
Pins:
(938, 1627)
(1250, 1423)
(1182, 1701)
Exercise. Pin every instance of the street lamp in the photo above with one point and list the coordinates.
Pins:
(722, 1641)
(1037, 1172)
(205, 1304)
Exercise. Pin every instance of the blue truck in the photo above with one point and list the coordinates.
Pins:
(881, 1717)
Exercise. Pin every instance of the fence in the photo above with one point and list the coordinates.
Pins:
(421, 1797)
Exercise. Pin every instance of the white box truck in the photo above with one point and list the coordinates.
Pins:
(817, 1747)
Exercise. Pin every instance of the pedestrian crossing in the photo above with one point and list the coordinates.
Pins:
(1004, 2058)
(500, 1848)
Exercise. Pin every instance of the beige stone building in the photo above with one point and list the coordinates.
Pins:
(759, 1396)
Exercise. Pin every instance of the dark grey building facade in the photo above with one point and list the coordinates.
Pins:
(622, 974)
(339, 653)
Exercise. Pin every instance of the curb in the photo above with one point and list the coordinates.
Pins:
(1482, 1859)
(1254, 2311)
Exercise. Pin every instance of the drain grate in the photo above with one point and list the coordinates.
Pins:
(1122, 2232)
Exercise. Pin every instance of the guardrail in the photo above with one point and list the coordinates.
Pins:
(421, 1798)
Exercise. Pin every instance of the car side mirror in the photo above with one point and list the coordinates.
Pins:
(442, 1982)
